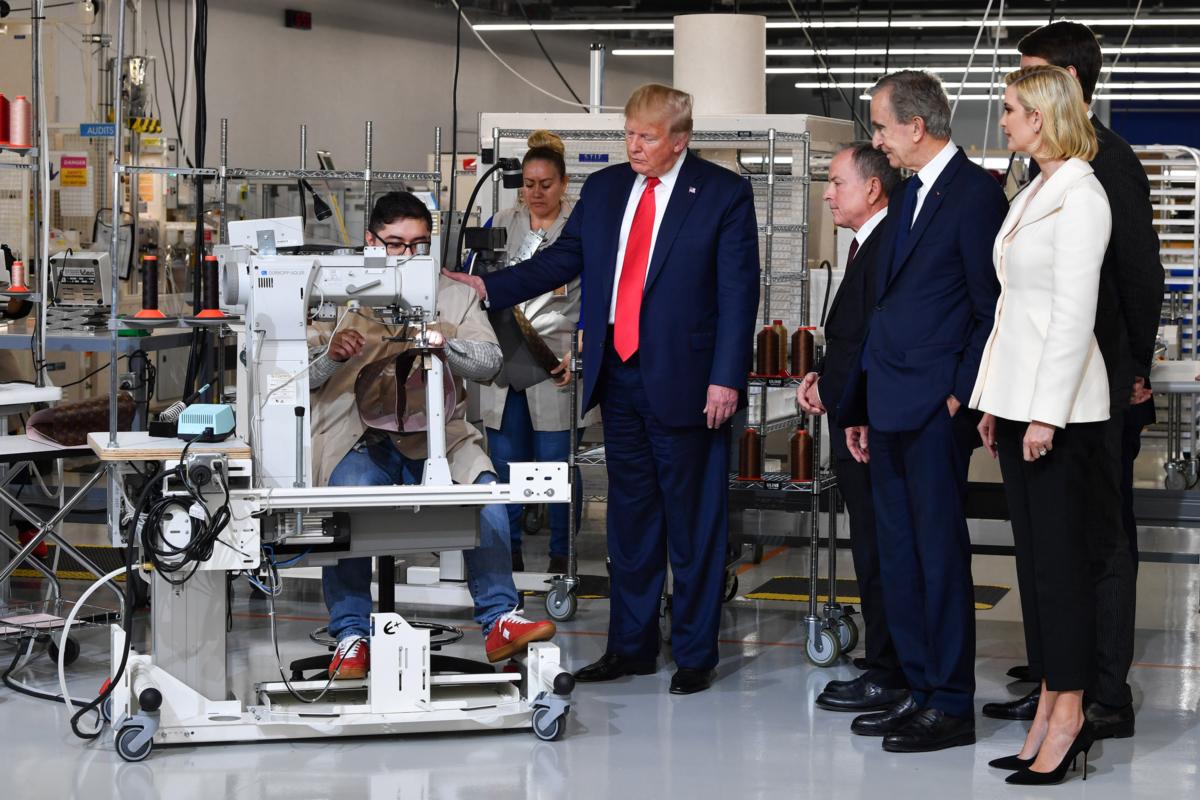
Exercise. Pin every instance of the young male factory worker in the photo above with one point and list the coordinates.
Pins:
(347, 452)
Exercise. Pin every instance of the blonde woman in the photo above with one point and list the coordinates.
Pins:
(1043, 388)
(527, 407)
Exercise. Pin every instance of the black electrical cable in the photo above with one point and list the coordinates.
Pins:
(16, 687)
(198, 361)
(887, 43)
(825, 265)
(542, 47)
(454, 135)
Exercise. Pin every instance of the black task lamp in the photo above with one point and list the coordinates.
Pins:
(510, 176)
(321, 209)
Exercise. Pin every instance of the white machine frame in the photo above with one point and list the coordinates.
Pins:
(180, 692)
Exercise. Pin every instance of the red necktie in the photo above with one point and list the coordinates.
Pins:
(853, 252)
(633, 274)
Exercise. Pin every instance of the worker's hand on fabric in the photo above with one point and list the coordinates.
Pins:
(434, 339)
(856, 442)
(474, 281)
(562, 372)
(1039, 440)
(1140, 393)
(808, 397)
(987, 433)
(953, 405)
(722, 402)
(346, 345)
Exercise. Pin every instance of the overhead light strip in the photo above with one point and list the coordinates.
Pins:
(1100, 97)
(916, 51)
(951, 69)
(971, 24)
(1001, 85)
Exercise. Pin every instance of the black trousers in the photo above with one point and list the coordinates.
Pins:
(1056, 547)
(854, 484)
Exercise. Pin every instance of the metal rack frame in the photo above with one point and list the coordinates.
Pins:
(1174, 175)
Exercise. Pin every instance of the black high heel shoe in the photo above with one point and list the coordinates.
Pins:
(1082, 744)
(1012, 763)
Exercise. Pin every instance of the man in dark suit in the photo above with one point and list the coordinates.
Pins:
(935, 303)
(1128, 313)
(668, 248)
(860, 182)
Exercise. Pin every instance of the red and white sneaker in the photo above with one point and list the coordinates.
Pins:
(351, 659)
(512, 633)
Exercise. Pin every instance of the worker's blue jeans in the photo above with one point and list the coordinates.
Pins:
(348, 585)
(516, 440)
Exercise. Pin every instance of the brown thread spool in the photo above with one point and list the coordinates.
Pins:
(801, 451)
(767, 362)
(802, 352)
(18, 278)
(750, 456)
(782, 360)
(20, 122)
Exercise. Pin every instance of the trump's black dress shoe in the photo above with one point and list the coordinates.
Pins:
(1109, 722)
(1021, 708)
(882, 723)
(859, 694)
(690, 681)
(612, 666)
(929, 730)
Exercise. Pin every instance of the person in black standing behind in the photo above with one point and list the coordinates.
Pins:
(860, 182)
(1127, 320)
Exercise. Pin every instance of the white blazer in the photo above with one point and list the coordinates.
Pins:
(1041, 362)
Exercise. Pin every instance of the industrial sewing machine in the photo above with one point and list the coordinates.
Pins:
(181, 692)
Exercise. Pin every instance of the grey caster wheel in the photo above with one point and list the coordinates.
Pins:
(70, 651)
(823, 649)
(847, 633)
(547, 727)
(561, 604)
(125, 746)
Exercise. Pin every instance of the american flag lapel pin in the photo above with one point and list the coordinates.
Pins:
(691, 190)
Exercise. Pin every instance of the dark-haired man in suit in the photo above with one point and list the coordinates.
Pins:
(860, 183)
(1128, 313)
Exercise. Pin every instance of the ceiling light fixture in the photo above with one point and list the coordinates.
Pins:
(971, 24)
(917, 51)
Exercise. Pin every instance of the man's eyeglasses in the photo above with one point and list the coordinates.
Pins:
(399, 248)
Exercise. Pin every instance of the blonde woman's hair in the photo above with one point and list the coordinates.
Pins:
(1066, 130)
(656, 101)
(548, 140)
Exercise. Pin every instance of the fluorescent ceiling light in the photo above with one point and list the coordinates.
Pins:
(1100, 97)
(971, 24)
(1002, 85)
(916, 51)
(960, 69)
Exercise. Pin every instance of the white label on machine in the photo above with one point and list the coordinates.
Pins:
(281, 389)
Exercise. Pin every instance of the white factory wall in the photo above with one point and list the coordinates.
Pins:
(389, 62)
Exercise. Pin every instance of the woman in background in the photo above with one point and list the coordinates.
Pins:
(527, 408)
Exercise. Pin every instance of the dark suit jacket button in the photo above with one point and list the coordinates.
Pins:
(879, 308)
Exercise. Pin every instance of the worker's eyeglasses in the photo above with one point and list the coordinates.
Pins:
(417, 248)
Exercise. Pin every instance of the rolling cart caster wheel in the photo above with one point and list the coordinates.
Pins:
(547, 729)
(125, 748)
(847, 633)
(823, 650)
(105, 709)
(561, 604)
(71, 651)
(1175, 480)
(731, 585)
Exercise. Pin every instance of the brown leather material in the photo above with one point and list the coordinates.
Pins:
(390, 392)
(541, 353)
(68, 424)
